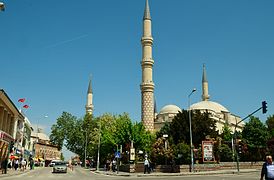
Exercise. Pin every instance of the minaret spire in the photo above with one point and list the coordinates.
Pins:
(89, 105)
(147, 12)
(89, 87)
(205, 95)
(147, 85)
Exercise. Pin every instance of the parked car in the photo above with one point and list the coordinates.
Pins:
(59, 167)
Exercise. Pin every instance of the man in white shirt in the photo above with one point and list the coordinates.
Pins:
(146, 164)
(268, 169)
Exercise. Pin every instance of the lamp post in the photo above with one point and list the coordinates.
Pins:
(165, 136)
(190, 131)
(86, 150)
(99, 141)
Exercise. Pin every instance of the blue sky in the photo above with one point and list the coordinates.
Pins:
(50, 48)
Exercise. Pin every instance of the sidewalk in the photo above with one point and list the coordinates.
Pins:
(234, 171)
(12, 172)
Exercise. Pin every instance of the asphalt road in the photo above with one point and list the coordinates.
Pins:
(82, 174)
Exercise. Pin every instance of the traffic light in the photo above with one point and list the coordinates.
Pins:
(264, 107)
(2, 6)
(240, 148)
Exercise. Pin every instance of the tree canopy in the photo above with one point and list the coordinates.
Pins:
(202, 126)
(114, 131)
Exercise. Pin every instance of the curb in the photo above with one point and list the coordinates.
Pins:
(176, 174)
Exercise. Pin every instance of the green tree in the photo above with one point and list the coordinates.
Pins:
(270, 125)
(226, 154)
(202, 126)
(255, 134)
(113, 130)
(60, 130)
(182, 153)
(160, 154)
(226, 133)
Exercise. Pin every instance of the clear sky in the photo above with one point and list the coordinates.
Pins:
(49, 49)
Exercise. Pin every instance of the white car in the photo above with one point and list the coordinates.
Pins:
(59, 167)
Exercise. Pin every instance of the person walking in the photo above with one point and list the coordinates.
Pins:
(4, 166)
(146, 164)
(16, 164)
(268, 169)
(114, 165)
(23, 164)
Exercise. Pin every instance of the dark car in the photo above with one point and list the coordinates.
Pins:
(59, 167)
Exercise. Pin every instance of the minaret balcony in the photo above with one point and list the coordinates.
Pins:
(147, 62)
(147, 86)
(147, 40)
(89, 106)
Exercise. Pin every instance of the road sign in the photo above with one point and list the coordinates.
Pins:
(117, 154)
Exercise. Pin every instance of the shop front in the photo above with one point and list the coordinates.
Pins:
(5, 143)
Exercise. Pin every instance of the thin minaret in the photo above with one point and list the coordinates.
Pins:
(205, 95)
(89, 105)
(147, 85)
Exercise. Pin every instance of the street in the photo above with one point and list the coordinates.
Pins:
(82, 174)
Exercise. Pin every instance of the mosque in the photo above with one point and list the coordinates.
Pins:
(153, 121)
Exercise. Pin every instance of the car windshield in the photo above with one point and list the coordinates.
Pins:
(60, 163)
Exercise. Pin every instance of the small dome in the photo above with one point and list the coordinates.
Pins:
(209, 105)
(170, 109)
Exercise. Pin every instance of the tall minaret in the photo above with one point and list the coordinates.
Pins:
(205, 96)
(89, 105)
(147, 85)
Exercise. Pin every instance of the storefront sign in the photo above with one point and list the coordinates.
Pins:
(5, 136)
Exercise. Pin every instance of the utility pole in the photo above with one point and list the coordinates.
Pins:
(264, 110)
(99, 142)
(86, 150)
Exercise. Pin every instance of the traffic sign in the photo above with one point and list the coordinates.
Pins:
(117, 154)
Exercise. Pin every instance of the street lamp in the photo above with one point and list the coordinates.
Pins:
(86, 150)
(190, 131)
(99, 142)
(165, 136)
(2, 6)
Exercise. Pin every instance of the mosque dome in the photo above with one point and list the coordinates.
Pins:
(41, 136)
(209, 105)
(170, 109)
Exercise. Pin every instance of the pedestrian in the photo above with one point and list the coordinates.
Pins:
(114, 165)
(146, 166)
(16, 165)
(31, 163)
(268, 169)
(23, 164)
(108, 164)
(4, 166)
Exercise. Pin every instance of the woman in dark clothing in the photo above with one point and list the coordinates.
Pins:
(4, 166)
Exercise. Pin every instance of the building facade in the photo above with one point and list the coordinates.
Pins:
(43, 151)
(11, 126)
